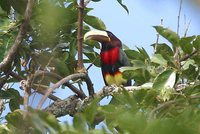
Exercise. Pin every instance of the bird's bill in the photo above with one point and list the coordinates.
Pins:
(97, 35)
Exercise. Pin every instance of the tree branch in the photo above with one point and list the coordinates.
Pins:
(80, 66)
(79, 93)
(179, 15)
(20, 78)
(87, 2)
(188, 56)
(64, 107)
(6, 63)
(59, 83)
(72, 104)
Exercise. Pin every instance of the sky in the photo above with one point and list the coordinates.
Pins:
(135, 29)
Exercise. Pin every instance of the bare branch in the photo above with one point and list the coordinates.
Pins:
(5, 64)
(187, 28)
(26, 85)
(1, 106)
(64, 107)
(179, 15)
(79, 93)
(59, 83)
(72, 104)
(87, 2)
(80, 66)
(188, 56)
(20, 78)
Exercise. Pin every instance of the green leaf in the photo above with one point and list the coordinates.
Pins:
(163, 49)
(196, 42)
(157, 58)
(79, 123)
(134, 55)
(171, 36)
(92, 109)
(143, 52)
(136, 64)
(5, 5)
(93, 58)
(15, 118)
(16, 99)
(96, 0)
(140, 76)
(43, 121)
(95, 22)
(5, 95)
(186, 44)
(165, 80)
(124, 6)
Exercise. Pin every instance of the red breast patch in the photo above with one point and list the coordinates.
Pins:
(110, 57)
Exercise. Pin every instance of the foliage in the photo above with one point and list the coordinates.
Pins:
(171, 106)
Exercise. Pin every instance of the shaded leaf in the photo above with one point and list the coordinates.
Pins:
(5, 5)
(95, 22)
(186, 44)
(163, 49)
(196, 42)
(5, 95)
(15, 118)
(124, 6)
(134, 55)
(44, 122)
(143, 52)
(96, 0)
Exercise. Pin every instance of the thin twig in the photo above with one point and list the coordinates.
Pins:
(20, 78)
(5, 64)
(1, 106)
(188, 56)
(58, 84)
(79, 93)
(168, 103)
(87, 2)
(26, 85)
(187, 28)
(179, 15)
(91, 64)
(158, 36)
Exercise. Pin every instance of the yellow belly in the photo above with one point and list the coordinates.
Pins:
(115, 79)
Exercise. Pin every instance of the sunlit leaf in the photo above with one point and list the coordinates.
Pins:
(165, 80)
(168, 34)
(157, 58)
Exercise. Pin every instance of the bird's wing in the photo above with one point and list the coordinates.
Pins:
(123, 59)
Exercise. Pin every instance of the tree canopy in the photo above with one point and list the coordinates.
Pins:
(42, 48)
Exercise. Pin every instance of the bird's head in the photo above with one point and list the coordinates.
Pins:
(106, 38)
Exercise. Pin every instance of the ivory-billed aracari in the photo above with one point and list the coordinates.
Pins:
(112, 57)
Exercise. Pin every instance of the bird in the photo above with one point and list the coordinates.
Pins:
(112, 57)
